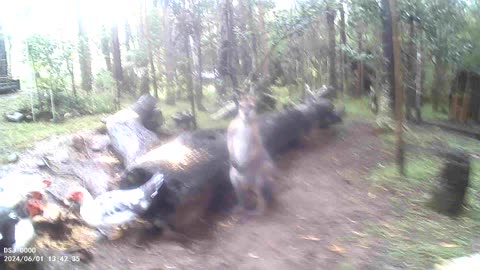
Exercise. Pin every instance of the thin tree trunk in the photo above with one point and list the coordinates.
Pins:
(332, 48)
(227, 60)
(72, 76)
(52, 104)
(388, 51)
(398, 85)
(106, 51)
(263, 37)
(117, 64)
(419, 78)
(343, 37)
(438, 82)
(233, 63)
(128, 36)
(169, 54)
(153, 74)
(85, 57)
(189, 78)
(411, 70)
(253, 34)
(198, 64)
(245, 58)
(360, 68)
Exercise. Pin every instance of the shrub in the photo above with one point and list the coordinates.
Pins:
(104, 81)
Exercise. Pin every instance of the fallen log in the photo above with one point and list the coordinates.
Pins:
(128, 134)
(196, 164)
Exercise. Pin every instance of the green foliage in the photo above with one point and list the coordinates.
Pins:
(104, 81)
(94, 103)
(471, 60)
(445, 42)
(47, 56)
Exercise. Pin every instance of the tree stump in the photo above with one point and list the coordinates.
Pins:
(449, 193)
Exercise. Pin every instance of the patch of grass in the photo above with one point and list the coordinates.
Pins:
(418, 237)
(429, 114)
(357, 108)
(18, 136)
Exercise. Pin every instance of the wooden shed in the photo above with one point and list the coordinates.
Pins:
(465, 97)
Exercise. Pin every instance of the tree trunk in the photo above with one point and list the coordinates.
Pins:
(263, 38)
(388, 51)
(72, 76)
(412, 66)
(420, 77)
(343, 37)
(106, 51)
(85, 57)
(52, 104)
(244, 48)
(198, 64)
(252, 31)
(398, 84)
(233, 63)
(228, 59)
(153, 74)
(360, 68)
(331, 48)
(169, 54)
(117, 64)
(128, 36)
(188, 75)
(438, 82)
(152, 67)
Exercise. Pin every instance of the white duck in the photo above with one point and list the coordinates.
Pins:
(117, 207)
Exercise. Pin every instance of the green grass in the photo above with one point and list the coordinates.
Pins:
(429, 114)
(418, 237)
(15, 137)
(357, 108)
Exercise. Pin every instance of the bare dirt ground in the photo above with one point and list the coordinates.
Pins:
(324, 200)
